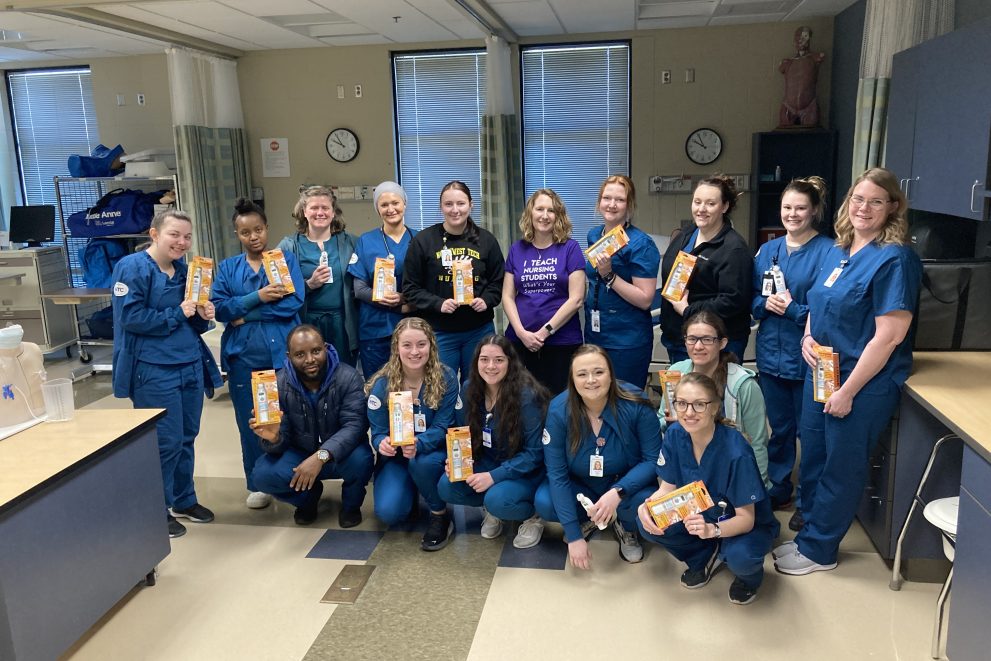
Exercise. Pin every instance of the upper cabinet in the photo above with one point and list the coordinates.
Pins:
(939, 122)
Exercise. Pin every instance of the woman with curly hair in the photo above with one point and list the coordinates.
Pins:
(413, 366)
(543, 289)
(324, 251)
(504, 407)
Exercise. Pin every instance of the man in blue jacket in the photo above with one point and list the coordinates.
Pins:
(323, 434)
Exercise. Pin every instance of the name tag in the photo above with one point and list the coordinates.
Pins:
(596, 465)
(595, 322)
(832, 277)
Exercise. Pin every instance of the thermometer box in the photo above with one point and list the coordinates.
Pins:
(681, 273)
(401, 431)
(385, 278)
(679, 504)
(610, 244)
(464, 284)
(459, 459)
(827, 374)
(276, 269)
(669, 380)
(265, 391)
(198, 280)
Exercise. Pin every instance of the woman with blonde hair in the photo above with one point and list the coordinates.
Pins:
(413, 366)
(324, 251)
(543, 289)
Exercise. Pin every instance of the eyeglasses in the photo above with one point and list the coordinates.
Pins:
(876, 205)
(706, 340)
(680, 405)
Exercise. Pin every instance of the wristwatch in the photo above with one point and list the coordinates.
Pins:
(619, 489)
(323, 455)
(549, 329)
(719, 531)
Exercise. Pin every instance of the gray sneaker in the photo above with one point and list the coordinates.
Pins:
(796, 564)
(529, 533)
(491, 526)
(781, 550)
(629, 543)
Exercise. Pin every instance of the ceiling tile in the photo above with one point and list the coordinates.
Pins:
(580, 16)
(530, 17)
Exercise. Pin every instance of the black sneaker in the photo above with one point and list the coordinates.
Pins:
(697, 578)
(797, 521)
(195, 513)
(307, 513)
(176, 529)
(348, 518)
(440, 528)
(740, 593)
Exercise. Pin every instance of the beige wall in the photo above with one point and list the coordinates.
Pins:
(737, 90)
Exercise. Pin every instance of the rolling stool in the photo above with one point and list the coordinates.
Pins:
(941, 513)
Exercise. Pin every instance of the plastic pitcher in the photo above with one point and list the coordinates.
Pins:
(59, 401)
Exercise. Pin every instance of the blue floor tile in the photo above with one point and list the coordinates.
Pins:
(346, 544)
(548, 554)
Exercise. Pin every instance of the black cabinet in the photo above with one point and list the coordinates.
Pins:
(779, 157)
(939, 122)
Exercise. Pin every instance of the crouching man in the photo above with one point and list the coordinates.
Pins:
(323, 434)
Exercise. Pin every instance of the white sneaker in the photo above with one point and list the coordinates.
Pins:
(796, 564)
(258, 500)
(529, 533)
(629, 543)
(491, 526)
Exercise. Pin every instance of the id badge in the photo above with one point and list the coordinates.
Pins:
(595, 321)
(596, 465)
(487, 437)
(330, 278)
(832, 277)
(446, 257)
(419, 422)
(767, 284)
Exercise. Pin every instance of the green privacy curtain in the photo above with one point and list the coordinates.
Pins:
(211, 148)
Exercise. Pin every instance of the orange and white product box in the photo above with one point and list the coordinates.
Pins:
(459, 461)
(679, 504)
(827, 376)
(276, 269)
(265, 392)
(607, 246)
(681, 273)
(464, 283)
(669, 380)
(385, 278)
(401, 430)
(198, 280)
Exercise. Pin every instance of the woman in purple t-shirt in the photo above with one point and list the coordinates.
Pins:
(543, 289)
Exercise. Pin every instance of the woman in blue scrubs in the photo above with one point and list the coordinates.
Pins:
(160, 361)
(601, 440)
(414, 365)
(258, 318)
(861, 305)
(621, 288)
(390, 241)
(739, 529)
(793, 259)
(504, 407)
(324, 251)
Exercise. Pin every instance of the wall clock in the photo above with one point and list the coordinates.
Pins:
(342, 145)
(703, 146)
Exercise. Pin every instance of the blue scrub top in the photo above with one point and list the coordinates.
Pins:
(438, 420)
(727, 468)
(261, 341)
(875, 281)
(622, 325)
(528, 461)
(329, 297)
(632, 443)
(378, 320)
(779, 351)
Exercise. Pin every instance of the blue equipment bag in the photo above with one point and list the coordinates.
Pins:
(98, 164)
(121, 211)
(98, 258)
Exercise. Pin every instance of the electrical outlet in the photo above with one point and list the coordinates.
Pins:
(141, 99)
(357, 91)
(665, 76)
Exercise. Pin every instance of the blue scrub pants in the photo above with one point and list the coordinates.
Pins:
(743, 554)
(273, 473)
(179, 390)
(332, 327)
(374, 354)
(239, 385)
(457, 348)
(397, 480)
(631, 364)
(626, 512)
(834, 467)
(511, 500)
(783, 398)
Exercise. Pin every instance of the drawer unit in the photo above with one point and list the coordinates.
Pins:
(40, 271)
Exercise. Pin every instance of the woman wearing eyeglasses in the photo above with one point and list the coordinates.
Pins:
(739, 529)
(742, 401)
(862, 306)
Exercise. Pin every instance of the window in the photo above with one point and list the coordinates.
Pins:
(440, 100)
(53, 118)
(576, 123)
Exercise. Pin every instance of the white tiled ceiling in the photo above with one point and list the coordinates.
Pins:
(248, 25)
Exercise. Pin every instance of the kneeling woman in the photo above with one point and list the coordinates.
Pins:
(738, 530)
(505, 409)
(414, 365)
(601, 439)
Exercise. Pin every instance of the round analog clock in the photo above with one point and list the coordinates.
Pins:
(703, 146)
(342, 145)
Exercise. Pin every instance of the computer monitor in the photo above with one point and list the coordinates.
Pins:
(33, 224)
